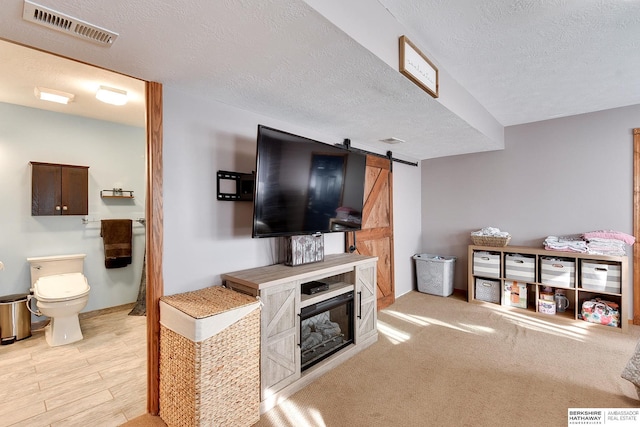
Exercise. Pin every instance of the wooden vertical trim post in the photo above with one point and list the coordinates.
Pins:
(154, 239)
(636, 226)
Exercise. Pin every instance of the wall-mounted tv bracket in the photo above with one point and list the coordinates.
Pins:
(235, 186)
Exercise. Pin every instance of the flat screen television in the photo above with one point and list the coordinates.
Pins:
(305, 187)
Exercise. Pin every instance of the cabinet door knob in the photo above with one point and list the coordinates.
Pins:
(64, 208)
(57, 208)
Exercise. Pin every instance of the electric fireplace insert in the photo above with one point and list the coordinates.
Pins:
(325, 328)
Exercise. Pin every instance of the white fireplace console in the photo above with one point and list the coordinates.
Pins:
(279, 289)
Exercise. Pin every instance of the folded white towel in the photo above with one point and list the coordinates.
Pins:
(490, 231)
(571, 243)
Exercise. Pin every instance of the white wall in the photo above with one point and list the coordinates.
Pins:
(115, 155)
(555, 177)
(407, 224)
(204, 237)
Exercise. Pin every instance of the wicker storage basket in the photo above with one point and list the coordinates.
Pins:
(494, 241)
(210, 358)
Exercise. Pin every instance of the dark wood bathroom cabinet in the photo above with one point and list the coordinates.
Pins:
(59, 189)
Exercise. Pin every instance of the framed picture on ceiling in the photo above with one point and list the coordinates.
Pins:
(416, 67)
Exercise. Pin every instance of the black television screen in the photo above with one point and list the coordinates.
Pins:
(305, 186)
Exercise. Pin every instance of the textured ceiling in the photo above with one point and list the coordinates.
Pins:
(523, 61)
(532, 60)
(23, 69)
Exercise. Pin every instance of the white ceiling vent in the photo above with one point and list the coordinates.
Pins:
(54, 20)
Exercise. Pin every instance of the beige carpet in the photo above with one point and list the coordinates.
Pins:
(445, 362)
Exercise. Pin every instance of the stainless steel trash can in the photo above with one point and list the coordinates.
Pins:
(15, 319)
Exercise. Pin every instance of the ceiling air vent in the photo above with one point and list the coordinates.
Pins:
(54, 20)
(392, 140)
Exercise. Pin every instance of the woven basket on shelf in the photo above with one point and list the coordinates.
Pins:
(495, 241)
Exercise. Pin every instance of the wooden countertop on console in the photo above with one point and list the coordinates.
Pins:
(272, 275)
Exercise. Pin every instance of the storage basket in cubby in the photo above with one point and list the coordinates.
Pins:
(486, 264)
(488, 290)
(558, 272)
(209, 358)
(520, 267)
(600, 276)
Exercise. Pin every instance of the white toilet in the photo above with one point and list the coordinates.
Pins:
(61, 291)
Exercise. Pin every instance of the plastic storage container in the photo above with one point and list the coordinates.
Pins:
(435, 274)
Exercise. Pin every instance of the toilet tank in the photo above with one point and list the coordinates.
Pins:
(51, 265)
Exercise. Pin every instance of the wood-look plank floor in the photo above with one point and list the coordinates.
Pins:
(98, 381)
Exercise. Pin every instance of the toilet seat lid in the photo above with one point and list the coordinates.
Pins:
(61, 286)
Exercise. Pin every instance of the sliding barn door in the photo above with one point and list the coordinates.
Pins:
(376, 236)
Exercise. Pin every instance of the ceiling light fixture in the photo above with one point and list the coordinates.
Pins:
(111, 95)
(53, 95)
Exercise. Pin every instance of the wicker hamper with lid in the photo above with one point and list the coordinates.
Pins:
(210, 358)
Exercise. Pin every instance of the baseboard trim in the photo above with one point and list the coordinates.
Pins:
(108, 310)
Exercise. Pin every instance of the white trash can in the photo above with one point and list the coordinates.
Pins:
(434, 274)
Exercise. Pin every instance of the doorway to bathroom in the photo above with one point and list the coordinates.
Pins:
(115, 151)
